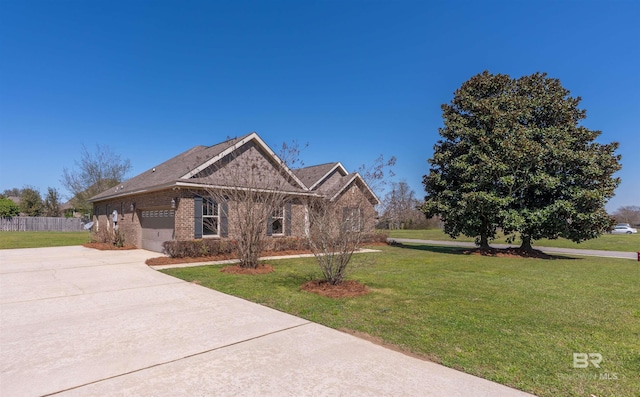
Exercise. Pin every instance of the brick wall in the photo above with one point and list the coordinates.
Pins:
(129, 221)
(354, 197)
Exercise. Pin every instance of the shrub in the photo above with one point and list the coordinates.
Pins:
(118, 239)
(198, 248)
(8, 208)
(286, 244)
(213, 247)
(101, 235)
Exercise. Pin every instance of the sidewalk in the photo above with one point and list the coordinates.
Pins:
(232, 261)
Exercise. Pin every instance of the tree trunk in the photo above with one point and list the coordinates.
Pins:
(484, 242)
(526, 243)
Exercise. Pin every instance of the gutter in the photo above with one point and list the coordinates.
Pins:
(192, 186)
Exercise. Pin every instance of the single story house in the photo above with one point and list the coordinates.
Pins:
(171, 201)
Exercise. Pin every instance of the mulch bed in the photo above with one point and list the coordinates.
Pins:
(346, 289)
(165, 260)
(510, 253)
(107, 246)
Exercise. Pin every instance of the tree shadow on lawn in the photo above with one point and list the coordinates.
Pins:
(492, 252)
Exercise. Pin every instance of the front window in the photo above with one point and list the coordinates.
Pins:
(210, 218)
(277, 222)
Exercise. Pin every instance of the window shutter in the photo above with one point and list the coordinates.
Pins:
(224, 219)
(197, 216)
(287, 219)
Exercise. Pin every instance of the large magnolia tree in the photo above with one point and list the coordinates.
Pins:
(513, 156)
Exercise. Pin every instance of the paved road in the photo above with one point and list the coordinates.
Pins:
(549, 250)
(81, 322)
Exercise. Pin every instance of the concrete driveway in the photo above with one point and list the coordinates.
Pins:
(76, 321)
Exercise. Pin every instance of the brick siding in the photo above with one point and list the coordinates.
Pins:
(129, 221)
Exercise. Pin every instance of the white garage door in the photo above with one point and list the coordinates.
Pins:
(157, 227)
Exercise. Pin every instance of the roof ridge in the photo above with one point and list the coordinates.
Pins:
(318, 165)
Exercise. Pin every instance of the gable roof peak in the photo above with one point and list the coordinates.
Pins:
(347, 180)
(313, 176)
(234, 144)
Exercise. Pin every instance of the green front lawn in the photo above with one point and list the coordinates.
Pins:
(607, 242)
(42, 239)
(513, 321)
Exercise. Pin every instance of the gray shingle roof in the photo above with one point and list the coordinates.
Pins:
(326, 179)
(170, 171)
(310, 175)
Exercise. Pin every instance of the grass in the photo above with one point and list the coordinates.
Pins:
(513, 321)
(41, 239)
(607, 242)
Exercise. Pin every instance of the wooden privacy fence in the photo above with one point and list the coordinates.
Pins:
(40, 224)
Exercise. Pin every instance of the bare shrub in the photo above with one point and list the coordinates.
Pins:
(118, 238)
(335, 233)
(197, 248)
(109, 236)
(101, 235)
(249, 187)
(286, 244)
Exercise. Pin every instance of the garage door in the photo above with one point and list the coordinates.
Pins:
(157, 227)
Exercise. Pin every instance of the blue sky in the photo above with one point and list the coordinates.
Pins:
(353, 79)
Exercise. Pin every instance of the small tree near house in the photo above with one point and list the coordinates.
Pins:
(339, 225)
(252, 189)
(336, 231)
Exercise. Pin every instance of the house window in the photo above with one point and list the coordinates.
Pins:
(277, 222)
(210, 218)
(352, 218)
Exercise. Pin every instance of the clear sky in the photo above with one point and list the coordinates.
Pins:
(353, 79)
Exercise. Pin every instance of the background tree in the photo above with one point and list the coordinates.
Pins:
(8, 208)
(14, 192)
(513, 156)
(30, 201)
(628, 214)
(94, 173)
(378, 173)
(401, 208)
(52, 203)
